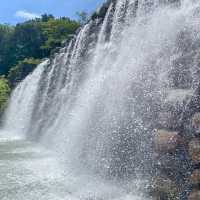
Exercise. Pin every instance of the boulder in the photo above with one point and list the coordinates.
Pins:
(195, 177)
(166, 141)
(195, 195)
(163, 186)
(194, 150)
(196, 124)
(170, 162)
(196, 121)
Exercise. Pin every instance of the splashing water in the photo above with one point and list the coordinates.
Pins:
(96, 102)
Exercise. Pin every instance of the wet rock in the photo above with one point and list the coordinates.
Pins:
(194, 150)
(166, 141)
(175, 163)
(164, 188)
(195, 177)
(196, 121)
(195, 195)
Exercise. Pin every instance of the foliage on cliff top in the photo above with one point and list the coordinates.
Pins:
(33, 39)
(21, 70)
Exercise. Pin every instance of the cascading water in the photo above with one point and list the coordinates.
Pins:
(16, 118)
(96, 101)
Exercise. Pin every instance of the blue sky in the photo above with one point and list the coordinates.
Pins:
(14, 11)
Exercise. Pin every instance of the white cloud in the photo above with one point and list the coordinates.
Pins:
(26, 15)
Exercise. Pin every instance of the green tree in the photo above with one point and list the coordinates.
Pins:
(4, 93)
(33, 39)
(6, 33)
(57, 30)
(21, 70)
(45, 17)
(26, 41)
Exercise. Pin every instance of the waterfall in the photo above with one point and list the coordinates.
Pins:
(17, 119)
(96, 102)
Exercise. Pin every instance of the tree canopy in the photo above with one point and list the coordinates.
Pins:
(33, 39)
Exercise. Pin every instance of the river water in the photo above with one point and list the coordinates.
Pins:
(29, 172)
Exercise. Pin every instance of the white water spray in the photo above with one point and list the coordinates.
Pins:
(96, 102)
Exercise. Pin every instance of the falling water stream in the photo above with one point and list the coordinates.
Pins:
(80, 126)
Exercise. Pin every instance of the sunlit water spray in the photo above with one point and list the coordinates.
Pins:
(96, 102)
